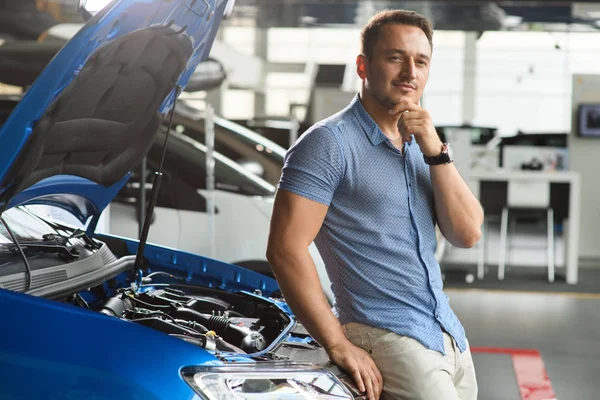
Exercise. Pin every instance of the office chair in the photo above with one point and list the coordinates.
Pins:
(527, 195)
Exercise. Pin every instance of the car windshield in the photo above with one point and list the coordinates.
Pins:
(25, 226)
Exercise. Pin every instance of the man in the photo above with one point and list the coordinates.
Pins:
(368, 185)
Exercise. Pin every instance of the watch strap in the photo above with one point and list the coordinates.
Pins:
(443, 158)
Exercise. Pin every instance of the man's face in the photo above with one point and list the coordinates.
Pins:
(399, 65)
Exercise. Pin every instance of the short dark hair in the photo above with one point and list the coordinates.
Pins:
(370, 33)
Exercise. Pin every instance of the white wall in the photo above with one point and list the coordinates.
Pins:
(522, 82)
(584, 155)
(443, 94)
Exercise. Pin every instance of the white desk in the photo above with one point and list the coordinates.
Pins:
(572, 178)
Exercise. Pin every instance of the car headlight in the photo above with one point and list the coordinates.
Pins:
(265, 381)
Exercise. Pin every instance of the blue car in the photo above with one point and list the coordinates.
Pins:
(93, 316)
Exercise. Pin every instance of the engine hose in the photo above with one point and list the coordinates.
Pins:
(222, 345)
(218, 323)
(167, 326)
(192, 324)
(233, 313)
(242, 336)
(198, 341)
(215, 323)
(117, 306)
(148, 305)
(191, 315)
(142, 312)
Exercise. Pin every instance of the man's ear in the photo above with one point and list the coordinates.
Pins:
(361, 67)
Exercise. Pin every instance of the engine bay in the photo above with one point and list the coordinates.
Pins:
(217, 321)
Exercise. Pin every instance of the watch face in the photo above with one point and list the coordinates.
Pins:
(450, 151)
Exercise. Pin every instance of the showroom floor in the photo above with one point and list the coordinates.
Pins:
(564, 328)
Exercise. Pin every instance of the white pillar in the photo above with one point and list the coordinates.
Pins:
(261, 46)
(215, 98)
(469, 77)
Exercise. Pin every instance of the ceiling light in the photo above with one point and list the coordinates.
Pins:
(93, 6)
(512, 21)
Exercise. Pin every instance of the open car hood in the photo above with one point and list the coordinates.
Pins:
(22, 61)
(92, 114)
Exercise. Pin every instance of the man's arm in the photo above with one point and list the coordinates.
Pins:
(294, 225)
(459, 213)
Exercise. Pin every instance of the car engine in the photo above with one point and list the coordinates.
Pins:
(212, 319)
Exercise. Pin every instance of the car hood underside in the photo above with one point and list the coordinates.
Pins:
(94, 111)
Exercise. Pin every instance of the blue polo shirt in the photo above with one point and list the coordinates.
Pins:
(378, 238)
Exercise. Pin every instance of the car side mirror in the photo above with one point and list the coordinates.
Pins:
(208, 75)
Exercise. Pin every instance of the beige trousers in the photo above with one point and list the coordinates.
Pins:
(413, 372)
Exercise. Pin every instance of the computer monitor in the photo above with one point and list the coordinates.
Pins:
(588, 120)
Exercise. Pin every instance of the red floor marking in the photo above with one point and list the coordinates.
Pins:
(530, 372)
(495, 350)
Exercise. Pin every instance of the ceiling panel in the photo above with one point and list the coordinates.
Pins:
(446, 15)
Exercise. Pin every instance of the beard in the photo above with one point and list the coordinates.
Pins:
(384, 100)
(385, 96)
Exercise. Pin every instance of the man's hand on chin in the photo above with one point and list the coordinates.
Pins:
(415, 120)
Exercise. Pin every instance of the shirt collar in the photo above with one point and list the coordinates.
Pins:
(372, 130)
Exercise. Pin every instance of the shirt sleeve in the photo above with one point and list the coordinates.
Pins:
(313, 166)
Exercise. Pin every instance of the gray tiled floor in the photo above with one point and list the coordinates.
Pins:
(495, 377)
(565, 329)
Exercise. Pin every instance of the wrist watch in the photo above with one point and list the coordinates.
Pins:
(445, 157)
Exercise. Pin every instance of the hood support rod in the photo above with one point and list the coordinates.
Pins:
(139, 258)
